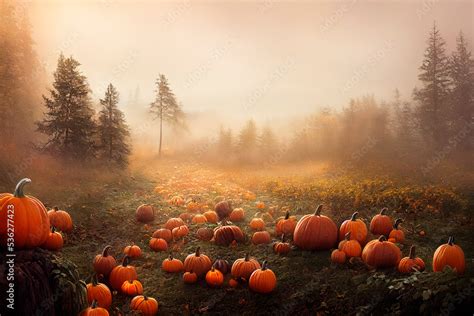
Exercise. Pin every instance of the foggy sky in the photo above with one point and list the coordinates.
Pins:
(248, 59)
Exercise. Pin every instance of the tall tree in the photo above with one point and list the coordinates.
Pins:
(68, 122)
(267, 142)
(165, 107)
(432, 97)
(462, 80)
(224, 142)
(248, 142)
(112, 129)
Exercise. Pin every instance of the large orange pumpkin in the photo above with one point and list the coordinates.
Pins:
(411, 263)
(356, 227)
(315, 232)
(381, 253)
(145, 213)
(243, 267)
(104, 263)
(198, 263)
(449, 254)
(263, 280)
(100, 293)
(148, 306)
(180, 232)
(286, 225)
(122, 273)
(381, 224)
(60, 219)
(24, 221)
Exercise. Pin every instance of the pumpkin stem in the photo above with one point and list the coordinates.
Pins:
(318, 210)
(412, 252)
(53, 229)
(105, 252)
(198, 251)
(145, 297)
(55, 209)
(383, 210)
(397, 222)
(125, 261)
(287, 215)
(347, 236)
(19, 188)
(354, 216)
(264, 265)
(171, 256)
(451, 240)
(382, 238)
(247, 256)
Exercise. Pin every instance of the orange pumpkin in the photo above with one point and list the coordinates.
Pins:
(411, 263)
(211, 216)
(338, 256)
(397, 233)
(263, 280)
(173, 223)
(148, 306)
(145, 213)
(104, 263)
(27, 215)
(94, 310)
(257, 224)
(381, 224)
(180, 232)
(227, 234)
(356, 227)
(381, 253)
(193, 207)
(286, 225)
(233, 283)
(198, 263)
(449, 254)
(133, 251)
(237, 215)
(100, 293)
(261, 237)
(60, 219)
(55, 240)
(281, 247)
(243, 267)
(350, 247)
(122, 273)
(260, 205)
(190, 277)
(199, 219)
(163, 233)
(158, 244)
(315, 232)
(132, 288)
(214, 277)
(172, 265)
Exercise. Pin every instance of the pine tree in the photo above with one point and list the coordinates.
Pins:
(248, 142)
(68, 122)
(165, 107)
(112, 129)
(224, 142)
(267, 142)
(462, 80)
(432, 97)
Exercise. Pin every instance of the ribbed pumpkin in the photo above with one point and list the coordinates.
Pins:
(172, 265)
(94, 310)
(133, 251)
(55, 240)
(397, 233)
(199, 219)
(356, 227)
(214, 277)
(243, 267)
(211, 216)
(148, 306)
(226, 234)
(315, 232)
(180, 232)
(281, 247)
(132, 288)
(257, 224)
(381, 253)
(190, 277)
(122, 273)
(350, 247)
(261, 237)
(174, 222)
(286, 225)
(222, 265)
(338, 256)
(31, 221)
(100, 293)
(263, 280)
(60, 219)
(381, 224)
(163, 233)
(145, 213)
(411, 263)
(237, 215)
(158, 244)
(449, 254)
(104, 263)
(198, 263)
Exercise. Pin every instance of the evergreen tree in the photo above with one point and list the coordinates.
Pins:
(112, 129)
(462, 80)
(248, 142)
(68, 122)
(224, 142)
(432, 97)
(267, 142)
(165, 107)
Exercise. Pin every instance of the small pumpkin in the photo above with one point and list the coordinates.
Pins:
(180, 232)
(163, 233)
(190, 277)
(257, 224)
(132, 288)
(99, 292)
(338, 256)
(449, 254)
(199, 219)
(172, 265)
(145, 213)
(214, 277)
(158, 244)
(263, 280)
(148, 306)
(94, 310)
(233, 283)
(122, 273)
(243, 267)
(261, 237)
(173, 223)
(237, 215)
(315, 232)
(211, 216)
(198, 263)
(260, 205)
(55, 240)
(205, 234)
(60, 219)
(193, 207)
(356, 227)
(381, 253)
(411, 263)
(222, 265)
(281, 247)
(286, 225)
(381, 224)
(104, 263)
(397, 233)
(227, 234)
(186, 217)
(223, 209)
(133, 251)
(350, 247)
